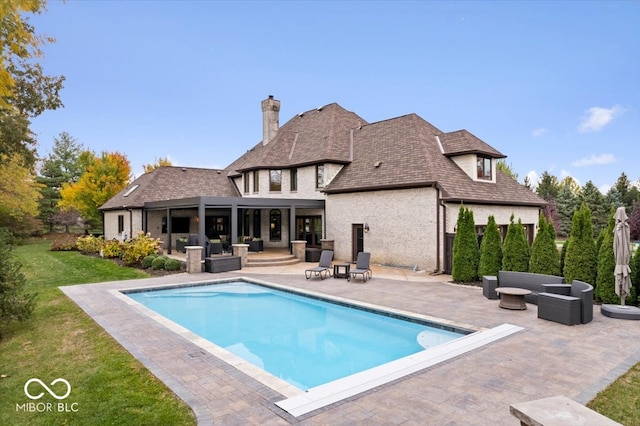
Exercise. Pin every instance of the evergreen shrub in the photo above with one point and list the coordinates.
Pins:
(545, 258)
(490, 250)
(466, 254)
(580, 262)
(158, 262)
(172, 265)
(15, 302)
(515, 251)
(146, 261)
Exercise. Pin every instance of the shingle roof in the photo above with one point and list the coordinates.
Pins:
(315, 136)
(404, 152)
(463, 142)
(167, 183)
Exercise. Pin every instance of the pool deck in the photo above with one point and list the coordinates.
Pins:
(545, 359)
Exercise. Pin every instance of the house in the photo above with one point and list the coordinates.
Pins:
(392, 188)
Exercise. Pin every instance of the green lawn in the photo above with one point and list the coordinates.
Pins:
(108, 386)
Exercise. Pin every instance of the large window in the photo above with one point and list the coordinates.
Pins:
(275, 180)
(245, 180)
(484, 168)
(275, 225)
(294, 179)
(256, 181)
(120, 224)
(320, 176)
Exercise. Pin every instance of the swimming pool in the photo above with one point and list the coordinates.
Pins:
(304, 341)
(299, 402)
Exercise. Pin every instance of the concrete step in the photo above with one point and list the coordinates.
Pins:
(272, 261)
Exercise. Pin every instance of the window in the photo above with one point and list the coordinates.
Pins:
(275, 225)
(294, 179)
(120, 224)
(256, 181)
(245, 180)
(275, 180)
(484, 168)
(320, 176)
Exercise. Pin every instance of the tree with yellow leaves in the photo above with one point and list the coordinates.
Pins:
(19, 195)
(105, 177)
(160, 162)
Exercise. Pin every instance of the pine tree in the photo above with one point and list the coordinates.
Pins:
(515, 252)
(490, 250)
(580, 262)
(465, 248)
(635, 271)
(545, 258)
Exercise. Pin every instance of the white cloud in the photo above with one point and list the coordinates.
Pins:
(595, 160)
(596, 118)
(538, 132)
(533, 178)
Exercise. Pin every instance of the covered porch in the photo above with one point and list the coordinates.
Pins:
(264, 223)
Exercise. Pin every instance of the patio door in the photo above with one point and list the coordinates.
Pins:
(309, 229)
(357, 240)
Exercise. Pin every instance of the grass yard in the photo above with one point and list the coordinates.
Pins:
(108, 385)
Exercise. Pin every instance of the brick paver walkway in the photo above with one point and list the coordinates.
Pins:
(546, 359)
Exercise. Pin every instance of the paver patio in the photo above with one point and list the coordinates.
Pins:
(546, 359)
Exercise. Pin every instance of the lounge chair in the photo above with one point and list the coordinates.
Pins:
(324, 266)
(362, 267)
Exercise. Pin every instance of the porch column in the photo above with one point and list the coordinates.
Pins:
(292, 226)
(168, 231)
(234, 223)
(201, 228)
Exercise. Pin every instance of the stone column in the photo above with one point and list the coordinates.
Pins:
(241, 250)
(298, 248)
(326, 244)
(194, 259)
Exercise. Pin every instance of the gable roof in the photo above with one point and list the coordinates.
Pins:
(167, 183)
(315, 136)
(404, 152)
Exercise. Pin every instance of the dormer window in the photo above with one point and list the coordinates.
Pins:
(484, 168)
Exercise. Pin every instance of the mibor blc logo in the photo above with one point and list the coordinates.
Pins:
(54, 389)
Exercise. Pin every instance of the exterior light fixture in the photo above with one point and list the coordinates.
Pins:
(366, 227)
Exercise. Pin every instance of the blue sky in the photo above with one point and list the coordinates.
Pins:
(555, 86)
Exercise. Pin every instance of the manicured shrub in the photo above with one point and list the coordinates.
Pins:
(580, 262)
(563, 254)
(490, 250)
(545, 258)
(135, 250)
(158, 262)
(515, 251)
(64, 242)
(172, 265)
(112, 249)
(635, 272)
(15, 302)
(88, 244)
(146, 261)
(466, 254)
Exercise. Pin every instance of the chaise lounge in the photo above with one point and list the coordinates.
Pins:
(323, 269)
(362, 267)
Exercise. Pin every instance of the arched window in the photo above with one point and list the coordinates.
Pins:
(275, 225)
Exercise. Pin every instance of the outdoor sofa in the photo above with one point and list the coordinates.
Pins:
(526, 280)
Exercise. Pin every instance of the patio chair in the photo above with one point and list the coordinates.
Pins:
(362, 267)
(324, 266)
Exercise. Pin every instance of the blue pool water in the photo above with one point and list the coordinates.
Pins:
(304, 341)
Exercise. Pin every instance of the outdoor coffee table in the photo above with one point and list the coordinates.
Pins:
(512, 298)
(341, 270)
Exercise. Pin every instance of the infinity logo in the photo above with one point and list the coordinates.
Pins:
(53, 394)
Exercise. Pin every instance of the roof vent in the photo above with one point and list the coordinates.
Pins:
(377, 164)
(184, 169)
(319, 108)
(301, 114)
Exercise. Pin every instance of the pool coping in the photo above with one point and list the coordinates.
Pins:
(299, 402)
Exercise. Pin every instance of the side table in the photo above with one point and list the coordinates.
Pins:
(341, 270)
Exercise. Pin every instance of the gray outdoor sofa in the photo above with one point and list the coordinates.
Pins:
(564, 303)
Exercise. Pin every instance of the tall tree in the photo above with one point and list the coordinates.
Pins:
(506, 169)
(580, 261)
(63, 165)
(634, 222)
(548, 186)
(25, 91)
(105, 177)
(545, 258)
(566, 204)
(159, 162)
(515, 251)
(465, 248)
(593, 198)
(490, 250)
(19, 194)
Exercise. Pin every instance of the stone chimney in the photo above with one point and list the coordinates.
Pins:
(270, 119)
